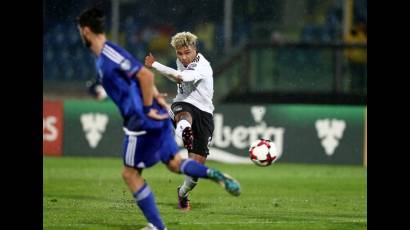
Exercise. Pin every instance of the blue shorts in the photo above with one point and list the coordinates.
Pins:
(145, 150)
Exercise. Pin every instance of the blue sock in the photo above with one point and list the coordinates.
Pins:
(146, 202)
(194, 169)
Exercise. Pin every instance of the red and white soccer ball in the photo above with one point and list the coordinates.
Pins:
(263, 152)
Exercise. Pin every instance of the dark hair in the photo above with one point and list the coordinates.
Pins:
(93, 18)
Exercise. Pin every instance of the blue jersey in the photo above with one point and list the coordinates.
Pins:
(117, 71)
(146, 141)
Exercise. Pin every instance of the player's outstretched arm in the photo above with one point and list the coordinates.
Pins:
(146, 80)
(172, 74)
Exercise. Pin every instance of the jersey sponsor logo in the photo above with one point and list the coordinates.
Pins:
(94, 127)
(330, 131)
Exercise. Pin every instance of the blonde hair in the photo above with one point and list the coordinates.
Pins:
(183, 39)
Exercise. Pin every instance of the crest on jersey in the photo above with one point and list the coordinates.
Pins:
(125, 65)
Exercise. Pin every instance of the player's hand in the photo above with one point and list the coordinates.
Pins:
(153, 114)
(149, 60)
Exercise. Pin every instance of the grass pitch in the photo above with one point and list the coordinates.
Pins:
(88, 193)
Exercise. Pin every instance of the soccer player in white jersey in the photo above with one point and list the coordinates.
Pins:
(192, 108)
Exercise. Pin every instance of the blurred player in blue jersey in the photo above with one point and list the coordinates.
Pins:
(148, 130)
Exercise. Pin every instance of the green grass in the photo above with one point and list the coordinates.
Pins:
(88, 193)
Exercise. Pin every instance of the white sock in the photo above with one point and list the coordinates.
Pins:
(188, 185)
(181, 125)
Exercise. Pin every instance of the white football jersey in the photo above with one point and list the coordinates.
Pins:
(199, 92)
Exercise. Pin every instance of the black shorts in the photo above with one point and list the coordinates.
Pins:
(202, 126)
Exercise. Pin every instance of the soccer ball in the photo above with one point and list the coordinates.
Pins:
(263, 152)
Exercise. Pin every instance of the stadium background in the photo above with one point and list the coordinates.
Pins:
(272, 55)
(291, 71)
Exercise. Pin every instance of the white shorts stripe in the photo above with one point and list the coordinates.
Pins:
(134, 149)
(134, 145)
(129, 156)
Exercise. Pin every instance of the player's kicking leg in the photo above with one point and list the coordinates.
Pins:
(195, 128)
(188, 184)
(194, 169)
(183, 130)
